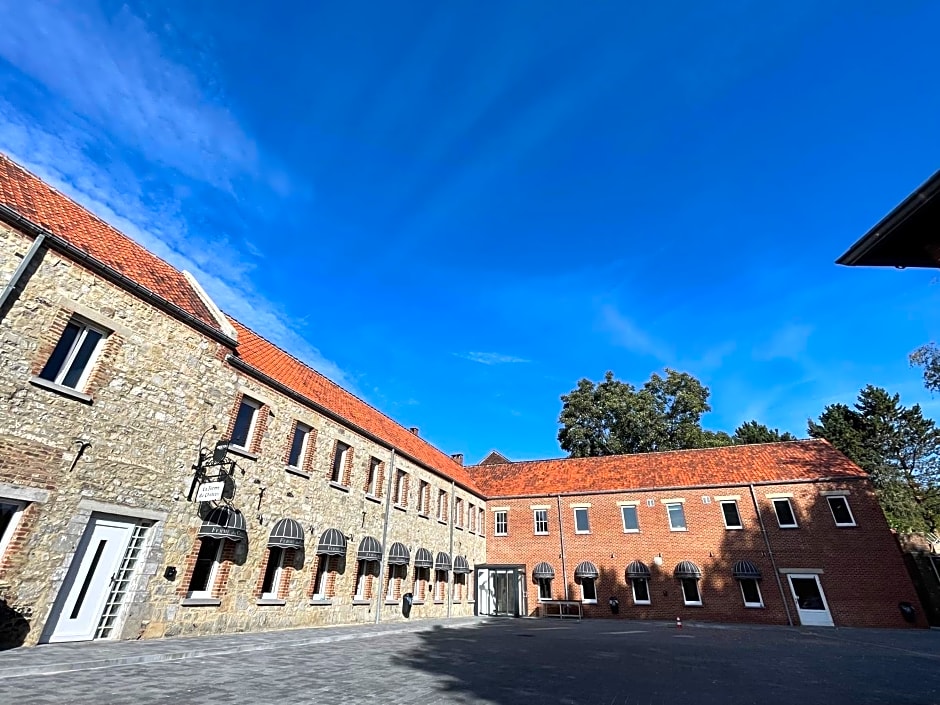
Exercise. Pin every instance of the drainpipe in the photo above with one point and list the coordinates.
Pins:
(21, 268)
(453, 576)
(561, 541)
(380, 599)
(770, 553)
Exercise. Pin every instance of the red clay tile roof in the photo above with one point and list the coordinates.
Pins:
(42, 205)
(270, 360)
(793, 460)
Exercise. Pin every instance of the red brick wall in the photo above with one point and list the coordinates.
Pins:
(863, 576)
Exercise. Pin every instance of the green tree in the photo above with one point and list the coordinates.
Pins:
(928, 357)
(897, 446)
(754, 432)
(614, 417)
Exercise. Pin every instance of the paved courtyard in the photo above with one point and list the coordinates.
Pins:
(516, 661)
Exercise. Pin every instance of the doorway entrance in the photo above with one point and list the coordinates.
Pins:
(92, 594)
(500, 591)
(811, 605)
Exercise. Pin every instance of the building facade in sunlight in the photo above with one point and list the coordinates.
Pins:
(165, 470)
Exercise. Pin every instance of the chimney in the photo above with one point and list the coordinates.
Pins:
(414, 430)
(458, 457)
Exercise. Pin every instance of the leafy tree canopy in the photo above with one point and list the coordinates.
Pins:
(897, 446)
(754, 432)
(614, 417)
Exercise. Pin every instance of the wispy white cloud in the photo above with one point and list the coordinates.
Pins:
(490, 358)
(788, 343)
(627, 334)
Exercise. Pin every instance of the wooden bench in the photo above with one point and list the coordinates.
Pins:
(565, 608)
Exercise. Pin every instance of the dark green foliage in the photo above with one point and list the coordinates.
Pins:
(897, 446)
(754, 432)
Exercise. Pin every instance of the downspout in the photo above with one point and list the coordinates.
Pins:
(380, 599)
(561, 541)
(770, 553)
(21, 268)
(453, 576)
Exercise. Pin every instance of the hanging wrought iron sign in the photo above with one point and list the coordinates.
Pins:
(214, 476)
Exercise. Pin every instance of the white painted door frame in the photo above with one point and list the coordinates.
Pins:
(810, 617)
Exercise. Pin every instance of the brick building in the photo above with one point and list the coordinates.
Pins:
(165, 470)
(782, 533)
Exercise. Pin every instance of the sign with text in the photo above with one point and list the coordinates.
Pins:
(210, 491)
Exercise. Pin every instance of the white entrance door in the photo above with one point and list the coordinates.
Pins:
(98, 559)
(810, 600)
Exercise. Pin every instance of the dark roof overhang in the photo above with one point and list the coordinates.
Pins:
(287, 533)
(909, 236)
(423, 558)
(224, 523)
(369, 550)
(332, 543)
(542, 571)
(586, 570)
(638, 569)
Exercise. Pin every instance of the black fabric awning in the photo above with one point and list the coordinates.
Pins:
(369, 550)
(746, 569)
(542, 571)
(638, 569)
(287, 533)
(224, 523)
(332, 543)
(442, 562)
(461, 567)
(687, 569)
(423, 558)
(398, 554)
(586, 570)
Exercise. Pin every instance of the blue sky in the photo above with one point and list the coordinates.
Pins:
(459, 209)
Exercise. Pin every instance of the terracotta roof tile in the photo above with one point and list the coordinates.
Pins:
(36, 201)
(793, 460)
(270, 360)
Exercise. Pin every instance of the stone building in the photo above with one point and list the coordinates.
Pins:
(165, 470)
(118, 375)
(781, 533)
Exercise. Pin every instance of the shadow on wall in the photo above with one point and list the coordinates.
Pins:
(14, 625)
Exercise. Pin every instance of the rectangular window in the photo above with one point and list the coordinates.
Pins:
(245, 421)
(631, 522)
(458, 513)
(205, 568)
(396, 573)
(690, 593)
(481, 521)
(401, 494)
(588, 591)
(74, 355)
(319, 579)
(339, 462)
(501, 523)
(441, 505)
(785, 517)
(540, 516)
(460, 586)
(581, 523)
(729, 510)
(372, 483)
(10, 513)
(419, 590)
(440, 585)
(641, 591)
(471, 517)
(363, 568)
(676, 517)
(272, 573)
(424, 498)
(751, 592)
(545, 588)
(298, 446)
(841, 511)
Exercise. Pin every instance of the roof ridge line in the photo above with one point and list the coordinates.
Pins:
(345, 391)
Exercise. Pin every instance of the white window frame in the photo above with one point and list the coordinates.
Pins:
(587, 518)
(760, 595)
(535, 522)
(685, 600)
(73, 351)
(362, 567)
(636, 601)
(424, 498)
(458, 512)
(441, 505)
(471, 517)
(669, 506)
(935, 564)
(848, 508)
(321, 576)
(394, 573)
(278, 574)
(737, 510)
(213, 574)
(338, 467)
(623, 518)
(253, 424)
(481, 521)
(496, 516)
(543, 582)
(795, 524)
(372, 489)
(302, 455)
(13, 525)
(585, 600)
(400, 488)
